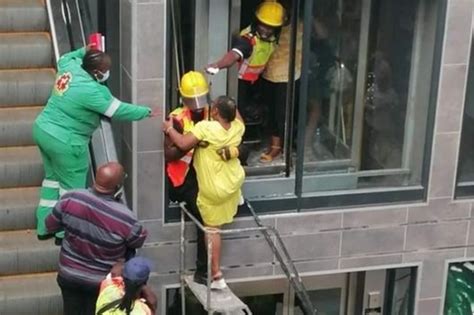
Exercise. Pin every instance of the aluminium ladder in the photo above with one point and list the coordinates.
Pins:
(225, 301)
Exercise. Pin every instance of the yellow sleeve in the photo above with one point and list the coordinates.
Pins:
(200, 130)
(241, 127)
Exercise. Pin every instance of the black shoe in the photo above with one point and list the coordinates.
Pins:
(45, 237)
(200, 278)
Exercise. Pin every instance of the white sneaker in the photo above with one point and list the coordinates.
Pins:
(241, 200)
(218, 284)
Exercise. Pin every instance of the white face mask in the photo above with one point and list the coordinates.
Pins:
(105, 76)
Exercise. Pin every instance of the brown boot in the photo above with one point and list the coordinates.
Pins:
(272, 152)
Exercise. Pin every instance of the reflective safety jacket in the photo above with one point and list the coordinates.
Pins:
(112, 289)
(251, 68)
(78, 101)
(177, 170)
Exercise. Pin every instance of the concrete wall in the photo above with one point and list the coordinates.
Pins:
(429, 234)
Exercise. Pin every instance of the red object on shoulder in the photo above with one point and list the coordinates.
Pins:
(95, 39)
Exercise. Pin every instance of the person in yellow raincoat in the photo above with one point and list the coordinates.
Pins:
(219, 181)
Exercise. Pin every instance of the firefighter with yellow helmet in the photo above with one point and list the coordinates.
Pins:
(252, 50)
(182, 182)
(256, 43)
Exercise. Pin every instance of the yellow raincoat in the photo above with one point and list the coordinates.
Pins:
(219, 181)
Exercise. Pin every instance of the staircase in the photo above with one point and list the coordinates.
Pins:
(27, 266)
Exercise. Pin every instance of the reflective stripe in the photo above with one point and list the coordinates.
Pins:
(187, 159)
(50, 183)
(62, 191)
(47, 203)
(238, 52)
(114, 105)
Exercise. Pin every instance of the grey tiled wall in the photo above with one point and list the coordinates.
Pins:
(428, 234)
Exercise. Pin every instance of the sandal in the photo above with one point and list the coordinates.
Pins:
(271, 154)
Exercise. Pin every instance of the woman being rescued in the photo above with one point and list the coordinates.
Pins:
(219, 180)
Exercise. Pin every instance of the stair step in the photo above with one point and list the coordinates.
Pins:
(25, 87)
(36, 294)
(17, 209)
(25, 50)
(23, 253)
(23, 15)
(16, 125)
(20, 166)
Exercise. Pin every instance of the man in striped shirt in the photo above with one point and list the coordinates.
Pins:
(98, 232)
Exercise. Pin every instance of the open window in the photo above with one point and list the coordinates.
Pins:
(358, 103)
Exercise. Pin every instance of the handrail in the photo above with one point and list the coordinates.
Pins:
(219, 231)
(290, 270)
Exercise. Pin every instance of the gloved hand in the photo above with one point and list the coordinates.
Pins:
(227, 153)
(212, 69)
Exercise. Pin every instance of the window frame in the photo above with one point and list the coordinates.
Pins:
(465, 189)
(295, 199)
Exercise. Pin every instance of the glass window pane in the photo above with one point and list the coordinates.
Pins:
(326, 301)
(271, 304)
(368, 97)
(400, 291)
(465, 184)
(459, 291)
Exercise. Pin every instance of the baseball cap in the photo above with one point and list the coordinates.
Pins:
(137, 269)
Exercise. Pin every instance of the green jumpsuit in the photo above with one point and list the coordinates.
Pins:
(63, 129)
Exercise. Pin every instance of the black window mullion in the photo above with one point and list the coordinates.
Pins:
(303, 99)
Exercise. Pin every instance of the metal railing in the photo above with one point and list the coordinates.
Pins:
(283, 257)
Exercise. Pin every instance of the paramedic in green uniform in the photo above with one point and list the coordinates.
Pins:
(64, 128)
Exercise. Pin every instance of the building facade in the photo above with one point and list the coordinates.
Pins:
(389, 198)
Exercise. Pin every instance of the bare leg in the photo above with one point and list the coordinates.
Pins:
(273, 151)
(216, 253)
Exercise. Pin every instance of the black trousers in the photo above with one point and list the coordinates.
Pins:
(188, 192)
(78, 299)
(274, 96)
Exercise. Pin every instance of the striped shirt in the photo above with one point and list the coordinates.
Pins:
(98, 231)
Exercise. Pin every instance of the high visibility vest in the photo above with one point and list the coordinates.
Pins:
(112, 289)
(177, 170)
(251, 68)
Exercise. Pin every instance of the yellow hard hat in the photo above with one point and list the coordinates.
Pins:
(193, 84)
(271, 13)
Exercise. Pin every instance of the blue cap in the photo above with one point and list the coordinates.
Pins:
(137, 269)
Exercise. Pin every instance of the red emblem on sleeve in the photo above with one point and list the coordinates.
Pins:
(62, 83)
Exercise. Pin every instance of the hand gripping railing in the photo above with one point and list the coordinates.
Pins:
(283, 257)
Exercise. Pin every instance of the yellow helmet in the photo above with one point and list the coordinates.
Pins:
(193, 84)
(271, 13)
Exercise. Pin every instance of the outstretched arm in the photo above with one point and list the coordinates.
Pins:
(227, 61)
(241, 49)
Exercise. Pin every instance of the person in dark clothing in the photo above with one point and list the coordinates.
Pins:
(99, 230)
